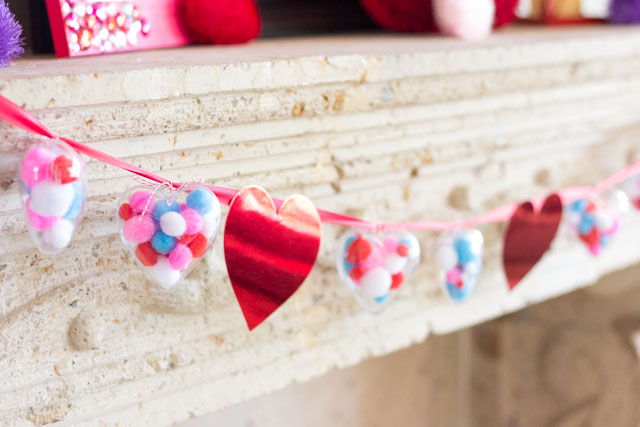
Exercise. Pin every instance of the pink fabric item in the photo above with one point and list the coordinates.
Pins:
(180, 257)
(37, 165)
(193, 220)
(139, 229)
(37, 222)
(141, 200)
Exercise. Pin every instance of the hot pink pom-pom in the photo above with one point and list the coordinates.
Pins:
(38, 222)
(390, 244)
(36, 165)
(139, 229)
(375, 258)
(141, 200)
(180, 257)
(467, 19)
(193, 220)
(453, 276)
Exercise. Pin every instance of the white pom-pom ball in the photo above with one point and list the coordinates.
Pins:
(59, 235)
(467, 19)
(211, 221)
(163, 274)
(603, 220)
(376, 283)
(446, 258)
(51, 199)
(395, 263)
(173, 224)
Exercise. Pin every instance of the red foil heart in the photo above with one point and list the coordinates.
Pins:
(529, 236)
(268, 254)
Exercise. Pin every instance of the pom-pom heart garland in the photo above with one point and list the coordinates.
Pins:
(375, 265)
(268, 253)
(52, 187)
(220, 21)
(168, 233)
(529, 235)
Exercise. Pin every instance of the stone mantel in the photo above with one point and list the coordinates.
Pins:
(384, 127)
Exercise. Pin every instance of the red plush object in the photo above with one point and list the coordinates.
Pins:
(416, 16)
(220, 21)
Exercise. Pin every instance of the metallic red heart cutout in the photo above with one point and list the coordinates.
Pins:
(268, 254)
(529, 236)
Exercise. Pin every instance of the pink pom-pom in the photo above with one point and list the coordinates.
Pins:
(390, 244)
(141, 200)
(453, 276)
(139, 229)
(183, 207)
(193, 220)
(180, 257)
(36, 165)
(466, 19)
(375, 258)
(38, 222)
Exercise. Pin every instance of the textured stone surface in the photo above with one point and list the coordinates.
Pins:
(388, 128)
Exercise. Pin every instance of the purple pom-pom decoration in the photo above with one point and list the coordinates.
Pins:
(624, 12)
(10, 36)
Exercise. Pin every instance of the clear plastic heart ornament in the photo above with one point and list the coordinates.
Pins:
(596, 219)
(168, 231)
(632, 188)
(53, 185)
(375, 265)
(459, 260)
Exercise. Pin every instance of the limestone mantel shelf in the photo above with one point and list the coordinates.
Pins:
(384, 127)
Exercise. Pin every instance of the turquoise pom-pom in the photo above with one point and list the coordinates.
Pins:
(586, 224)
(382, 299)
(77, 203)
(162, 243)
(164, 206)
(347, 265)
(579, 205)
(464, 248)
(201, 199)
(458, 294)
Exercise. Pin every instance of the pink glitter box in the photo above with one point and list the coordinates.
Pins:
(90, 27)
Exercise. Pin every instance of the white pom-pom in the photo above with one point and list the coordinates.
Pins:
(472, 269)
(173, 224)
(59, 235)
(467, 19)
(603, 220)
(447, 258)
(51, 199)
(163, 274)
(376, 283)
(211, 221)
(395, 263)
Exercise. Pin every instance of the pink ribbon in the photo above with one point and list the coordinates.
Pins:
(16, 116)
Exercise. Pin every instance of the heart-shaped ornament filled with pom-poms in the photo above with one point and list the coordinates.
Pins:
(459, 260)
(168, 232)
(375, 265)
(596, 219)
(53, 185)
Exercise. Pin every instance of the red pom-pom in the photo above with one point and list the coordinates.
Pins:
(403, 250)
(62, 173)
(125, 212)
(198, 245)
(505, 12)
(220, 21)
(146, 254)
(358, 251)
(397, 280)
(356, 273)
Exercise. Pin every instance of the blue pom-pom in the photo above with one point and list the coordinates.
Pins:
(586, 224)
(201, 199)
(162, 243)
(464, 248)
(77, 203)
(579, 205)
(382, 299)
(164, 206)
(458, 294)
(347, 265)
